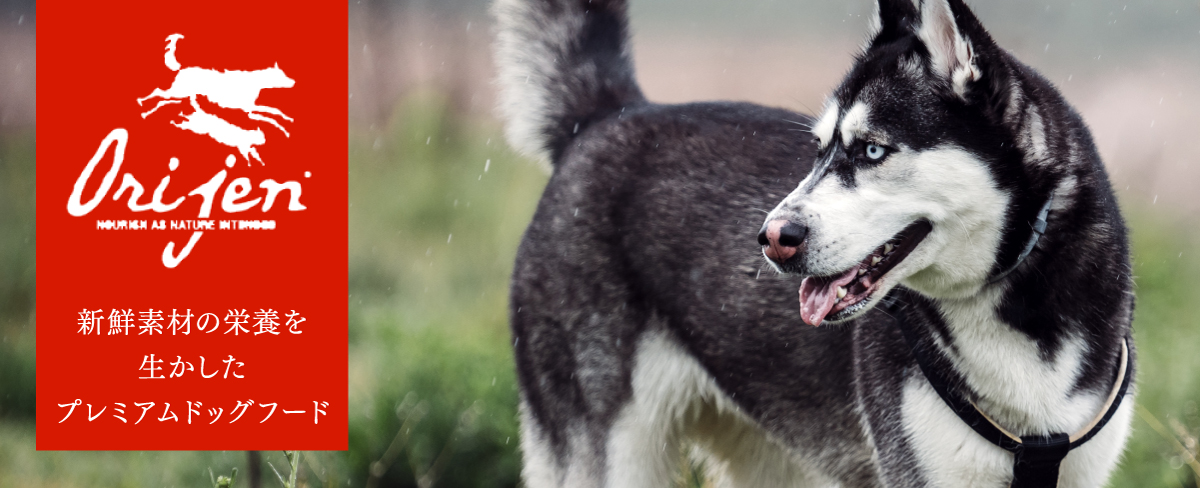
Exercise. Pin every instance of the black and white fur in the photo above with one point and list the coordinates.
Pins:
(645, 327)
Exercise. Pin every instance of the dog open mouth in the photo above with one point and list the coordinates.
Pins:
(839, 296)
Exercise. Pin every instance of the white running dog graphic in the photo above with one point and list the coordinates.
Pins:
(220, 130)
(228, 89)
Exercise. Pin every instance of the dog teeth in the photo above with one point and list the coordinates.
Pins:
(888, 248)
(875, 260)
(841, 292)
(862, 271)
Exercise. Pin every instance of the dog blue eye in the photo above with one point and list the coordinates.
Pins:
(875, 152)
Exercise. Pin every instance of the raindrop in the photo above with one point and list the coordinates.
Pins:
(487, 164)
(427, 139)
(448, 238)
(1176, 462)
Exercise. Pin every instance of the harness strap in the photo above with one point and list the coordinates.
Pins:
(1036, 458)
(1035, 464)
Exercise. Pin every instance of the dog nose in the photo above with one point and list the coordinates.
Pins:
(780, 239)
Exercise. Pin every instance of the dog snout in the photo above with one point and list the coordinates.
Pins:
(781, 239)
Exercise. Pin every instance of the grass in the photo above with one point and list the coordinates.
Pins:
(16, 275)
(1167, 332)
(437, 207)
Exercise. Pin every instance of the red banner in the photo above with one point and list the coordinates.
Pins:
(191, 213)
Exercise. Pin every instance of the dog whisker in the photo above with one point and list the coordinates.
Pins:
(802, 124)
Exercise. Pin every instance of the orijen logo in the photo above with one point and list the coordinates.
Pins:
(229, 89)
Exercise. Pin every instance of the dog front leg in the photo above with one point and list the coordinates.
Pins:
(156, 107)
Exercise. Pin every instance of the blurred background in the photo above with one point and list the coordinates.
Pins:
(438, 203)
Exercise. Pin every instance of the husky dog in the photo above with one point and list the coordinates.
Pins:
(946, 181)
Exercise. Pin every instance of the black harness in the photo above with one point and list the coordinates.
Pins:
(1036, 458)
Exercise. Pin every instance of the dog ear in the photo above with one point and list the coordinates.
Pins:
(893, 18)
(952, 55)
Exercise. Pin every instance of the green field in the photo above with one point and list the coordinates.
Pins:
(438, 204)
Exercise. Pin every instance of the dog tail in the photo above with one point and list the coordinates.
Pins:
(169, 57)
(563, 65)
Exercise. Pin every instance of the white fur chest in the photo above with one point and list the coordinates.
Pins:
(951, 454)
(1025, 393)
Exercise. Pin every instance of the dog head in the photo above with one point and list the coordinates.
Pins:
(274, 77)
(913, 181)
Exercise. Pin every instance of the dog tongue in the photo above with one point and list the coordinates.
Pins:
(819, 295)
